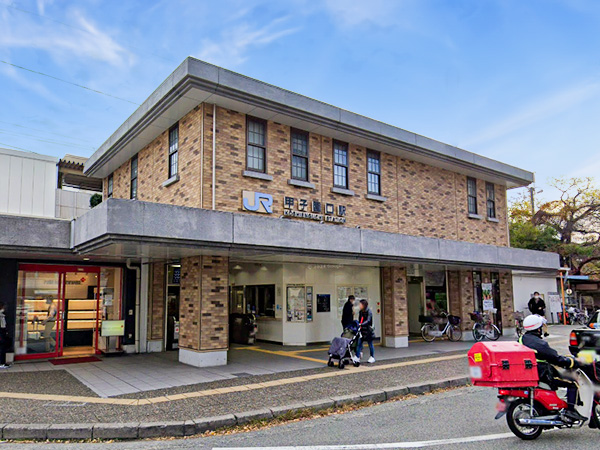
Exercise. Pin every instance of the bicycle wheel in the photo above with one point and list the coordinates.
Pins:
(425, 332)
(454, 333)
(493, 333)
(478, 332)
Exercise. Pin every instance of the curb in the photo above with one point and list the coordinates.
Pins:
(79, 431)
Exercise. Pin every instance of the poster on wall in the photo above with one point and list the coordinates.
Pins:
(555, 304)
(488, 296)
(309, 303)
(361, 293)
(296, 303)
(323, 303)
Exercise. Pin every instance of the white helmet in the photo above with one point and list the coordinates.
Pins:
(533, 322)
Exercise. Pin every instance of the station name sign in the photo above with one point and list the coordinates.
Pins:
(299, 208)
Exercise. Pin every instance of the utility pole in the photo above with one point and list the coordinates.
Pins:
(532, 197)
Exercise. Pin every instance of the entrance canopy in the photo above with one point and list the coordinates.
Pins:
(133, 229)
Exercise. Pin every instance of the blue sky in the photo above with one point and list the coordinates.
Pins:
(514, 80)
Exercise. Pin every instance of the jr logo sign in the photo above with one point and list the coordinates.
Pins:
(257, 202)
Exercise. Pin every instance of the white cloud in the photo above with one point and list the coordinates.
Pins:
(41, 5)
(234, 43)
(376, 12)
(83, 40)
(534, 112)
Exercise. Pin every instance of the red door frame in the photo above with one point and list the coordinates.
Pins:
(62, 270)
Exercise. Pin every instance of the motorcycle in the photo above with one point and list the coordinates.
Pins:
(531, 411)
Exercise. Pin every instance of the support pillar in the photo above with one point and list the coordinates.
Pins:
(203, 311)
(395, 307)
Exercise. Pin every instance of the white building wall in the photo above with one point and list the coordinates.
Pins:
(27, 183)
(325, 279)
(526, 283)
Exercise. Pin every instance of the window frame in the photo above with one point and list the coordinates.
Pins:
(173, 154)
(294, 155)
(133, 178)
(472, 196)
(490, 188)
(370, 154)
(264, 147)
(346, 167)
(110, 186)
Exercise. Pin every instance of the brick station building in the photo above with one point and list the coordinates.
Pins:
(230, 195)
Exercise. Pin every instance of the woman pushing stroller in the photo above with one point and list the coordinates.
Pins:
(365, 321)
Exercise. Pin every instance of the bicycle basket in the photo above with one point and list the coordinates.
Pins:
(475, 316)
(454, 320)
(425, 319)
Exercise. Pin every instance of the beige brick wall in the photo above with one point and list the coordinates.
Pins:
(203, 308)
(395, 303)
(422, 200)
(156, 316)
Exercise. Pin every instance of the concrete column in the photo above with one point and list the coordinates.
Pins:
(395, 306)
(144, 285)
(203, 311)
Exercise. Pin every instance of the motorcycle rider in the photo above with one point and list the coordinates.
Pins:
(547, 358)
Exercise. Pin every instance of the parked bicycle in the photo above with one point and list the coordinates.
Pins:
(484, 328)
(432, 330)
(519, 328)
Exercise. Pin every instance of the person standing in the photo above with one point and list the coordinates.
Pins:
(348, 312)
(365, 320)
(4, 339)
(49, 323)
(537, 306)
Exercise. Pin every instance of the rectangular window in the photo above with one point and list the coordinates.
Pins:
(134, 177)
(173, 150)
(299, 141)
(472, 195)
(491, 200)
(373, 172)
(256, 151)
(340, 164)
(109, 188)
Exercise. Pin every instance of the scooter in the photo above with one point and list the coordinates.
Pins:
(530, 411)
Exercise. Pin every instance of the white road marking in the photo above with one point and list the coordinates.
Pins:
(388, 446)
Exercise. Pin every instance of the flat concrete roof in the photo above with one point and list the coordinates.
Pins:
(28, 155)
(195, 82)
(130, 228)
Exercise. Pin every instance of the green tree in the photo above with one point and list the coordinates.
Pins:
(95, 200)
(568, 225)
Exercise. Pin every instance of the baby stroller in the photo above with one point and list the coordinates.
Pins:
(343, 348)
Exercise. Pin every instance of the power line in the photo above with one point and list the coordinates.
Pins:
(47, 141)
(14, 147)
(45, 131)
(69, 82)
(33, 13)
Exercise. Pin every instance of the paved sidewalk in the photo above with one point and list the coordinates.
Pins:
(47, 397)
(130, 374)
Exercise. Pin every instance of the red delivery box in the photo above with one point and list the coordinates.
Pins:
(502, 364)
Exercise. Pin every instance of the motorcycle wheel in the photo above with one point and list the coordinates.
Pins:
(478, 332)
(425, 332)
(521, 409)
(454, 333)
(582, 321)
(494, 333)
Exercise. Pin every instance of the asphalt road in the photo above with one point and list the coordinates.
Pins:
(463, 416)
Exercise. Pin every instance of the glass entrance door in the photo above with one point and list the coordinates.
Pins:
(57, 311)
(39, 319)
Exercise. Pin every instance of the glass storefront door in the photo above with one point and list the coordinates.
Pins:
(39, 318)
(60, 310)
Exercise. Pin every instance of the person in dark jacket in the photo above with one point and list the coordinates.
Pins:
(365, 320)
(537, 305)
(4, 339)
(348, 312)
(547, 358)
